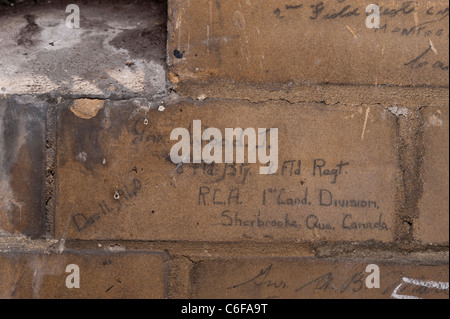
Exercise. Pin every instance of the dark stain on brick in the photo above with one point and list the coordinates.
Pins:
(149, 42)
(23, 165)
(29, 31)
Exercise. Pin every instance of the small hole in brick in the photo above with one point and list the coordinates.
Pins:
(178, 54)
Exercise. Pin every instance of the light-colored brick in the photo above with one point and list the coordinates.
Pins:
(118, 50)
(292, 278)
(308, 42)
(125, 150)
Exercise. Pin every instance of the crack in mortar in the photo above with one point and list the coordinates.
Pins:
(409, 125)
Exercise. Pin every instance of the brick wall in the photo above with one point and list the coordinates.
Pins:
(86, 176)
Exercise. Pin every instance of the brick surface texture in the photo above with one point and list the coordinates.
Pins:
(92, 204)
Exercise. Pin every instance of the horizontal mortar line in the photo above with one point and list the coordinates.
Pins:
(44, 96)
(384, 89)
(279, 85)
(295, 97)
(363, 245)
(400, 259)
(292, 100)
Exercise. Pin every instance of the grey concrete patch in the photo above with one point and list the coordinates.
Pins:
(118, 51)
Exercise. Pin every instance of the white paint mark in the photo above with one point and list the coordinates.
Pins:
(397, 296)
(365, 123)
(161, 108)
(427, 283)
(423, 283)
(397, 111)
(82, 156)
(435, 51)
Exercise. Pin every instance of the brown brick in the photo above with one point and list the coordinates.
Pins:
(103, 275)
(115, 152)
(22, 155)
(274, 41)
(314, 279)
(432, 225)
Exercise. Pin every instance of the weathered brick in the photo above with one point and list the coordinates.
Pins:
(22, 156)
(277, 41)
(103, 275)
(261, 278)
(118, 50)
(124, 151)
(432, 225)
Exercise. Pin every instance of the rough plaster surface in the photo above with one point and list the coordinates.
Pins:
(117, 51)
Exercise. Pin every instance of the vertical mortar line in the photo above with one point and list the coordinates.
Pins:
(179, 276)
(50, 168)
(400, 194)
(167, 45)
(410, 157)
(191, 278)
